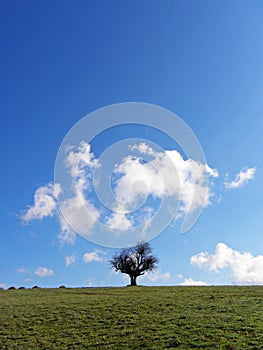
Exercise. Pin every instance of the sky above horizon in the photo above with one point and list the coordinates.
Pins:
(60, 62)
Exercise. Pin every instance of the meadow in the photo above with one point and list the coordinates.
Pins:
(132, 318)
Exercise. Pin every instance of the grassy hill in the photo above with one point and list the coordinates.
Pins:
(132, 318)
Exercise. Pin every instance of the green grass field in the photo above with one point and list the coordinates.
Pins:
(132, 318)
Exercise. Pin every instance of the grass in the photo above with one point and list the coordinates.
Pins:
(132, 318)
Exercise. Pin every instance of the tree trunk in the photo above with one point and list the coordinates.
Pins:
(133, 280)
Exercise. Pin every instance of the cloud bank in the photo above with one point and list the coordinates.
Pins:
(245, 268)
(146, 174)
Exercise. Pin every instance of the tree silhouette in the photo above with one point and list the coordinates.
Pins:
(134, 261)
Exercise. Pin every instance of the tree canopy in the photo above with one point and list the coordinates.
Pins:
(134, 261)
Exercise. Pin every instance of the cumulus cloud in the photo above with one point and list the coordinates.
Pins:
(241, 178)
(45, 203)
(80, 213)
(96, 255)
(43, 272)
(3, 285)
(78, 158)
(166, 174)
(70, 259)
(118, 219)
(81, 216)
(246, 268)
(81, 163)
(191, 282)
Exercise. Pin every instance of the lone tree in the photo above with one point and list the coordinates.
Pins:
(134, 261)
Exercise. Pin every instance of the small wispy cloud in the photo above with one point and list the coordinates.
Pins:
(243, 177)
(22, 270)
(90, 282)
(69, 260)
(158, 275)
(43, 272)
(96, 255)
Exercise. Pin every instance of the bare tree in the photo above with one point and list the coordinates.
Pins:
(134, 261)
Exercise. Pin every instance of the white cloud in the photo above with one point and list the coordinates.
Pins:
(221, 258)
(78, 213)
(133, 172)
(3, 285)
(81, 163)
(246, 268)
(70, 259)
(191, 282)
(43, 272)
(118, 219)
(80, 157)
(143, 148)
(81, 215)
(157, 275)
(45, 203)
(66, 234)
(167, 174)
(96, 255)
(241, 178)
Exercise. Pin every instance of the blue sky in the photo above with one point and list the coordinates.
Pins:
(201, 60)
